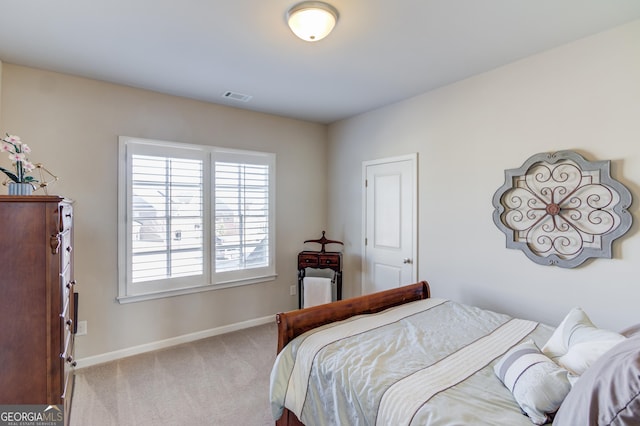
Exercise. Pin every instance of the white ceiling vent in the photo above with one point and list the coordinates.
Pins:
(237, 96)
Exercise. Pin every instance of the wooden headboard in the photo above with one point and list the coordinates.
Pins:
(294, 323)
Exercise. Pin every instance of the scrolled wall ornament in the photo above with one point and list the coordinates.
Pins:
(561, 209)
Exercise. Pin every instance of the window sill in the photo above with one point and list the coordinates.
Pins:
(191, 290)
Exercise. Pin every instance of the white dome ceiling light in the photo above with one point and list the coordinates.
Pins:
(312, 20)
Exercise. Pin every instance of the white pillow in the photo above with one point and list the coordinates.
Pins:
(538, 384)
(577, 342)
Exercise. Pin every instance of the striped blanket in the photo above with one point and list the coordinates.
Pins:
(426, 362)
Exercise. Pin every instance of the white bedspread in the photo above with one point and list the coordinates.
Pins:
(424, 363)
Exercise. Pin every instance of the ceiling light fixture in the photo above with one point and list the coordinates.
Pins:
(312, 20)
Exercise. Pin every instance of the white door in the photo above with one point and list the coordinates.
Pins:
(389, 223)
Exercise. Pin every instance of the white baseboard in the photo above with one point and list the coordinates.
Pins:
(162, 344)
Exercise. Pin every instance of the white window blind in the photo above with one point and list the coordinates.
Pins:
(167, 218)
(242, 216)
(193, 218)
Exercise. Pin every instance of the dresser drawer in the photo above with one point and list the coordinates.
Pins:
(67, 393)
(66, 321)
(67, 327)
(331, 260)
(66, 354)
(67, 349)
(69, 363)
(66, 286)
(307, 261)
(65, 249)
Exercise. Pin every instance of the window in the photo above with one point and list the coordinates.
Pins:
(242, 215)
(193, 218)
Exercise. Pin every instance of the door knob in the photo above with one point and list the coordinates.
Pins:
(407, 260)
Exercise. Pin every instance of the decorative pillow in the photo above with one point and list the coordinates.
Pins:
(631, 331)
(608, 393)
(577, 342)
(538, 385)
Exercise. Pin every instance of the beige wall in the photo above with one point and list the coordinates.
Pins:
(584, 97)
(72, 124)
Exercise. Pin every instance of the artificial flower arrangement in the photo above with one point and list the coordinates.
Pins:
(18, 151)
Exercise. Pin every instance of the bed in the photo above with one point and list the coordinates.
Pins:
(401, 357)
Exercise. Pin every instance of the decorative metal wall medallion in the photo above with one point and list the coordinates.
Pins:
(561, 209)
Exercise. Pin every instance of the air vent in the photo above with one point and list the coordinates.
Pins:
(237, 96)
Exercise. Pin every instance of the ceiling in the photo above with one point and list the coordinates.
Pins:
(380, 52)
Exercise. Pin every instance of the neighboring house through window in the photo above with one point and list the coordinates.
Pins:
(193, 218)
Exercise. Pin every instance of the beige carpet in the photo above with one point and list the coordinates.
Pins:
(222, 380)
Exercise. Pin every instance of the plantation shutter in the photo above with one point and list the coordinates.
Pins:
(241, 216)
(167, 238)
(192, 218)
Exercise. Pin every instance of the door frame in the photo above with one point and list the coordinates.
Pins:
(413, 158)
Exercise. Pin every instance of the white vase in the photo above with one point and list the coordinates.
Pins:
(20, 188)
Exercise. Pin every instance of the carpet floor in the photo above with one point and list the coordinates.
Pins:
(222, 380)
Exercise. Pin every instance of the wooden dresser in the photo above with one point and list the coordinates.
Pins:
(319, 260)
(38, 306)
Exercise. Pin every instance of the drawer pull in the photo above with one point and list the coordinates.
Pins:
(69, 322)
(54, 242)
(71, 284)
